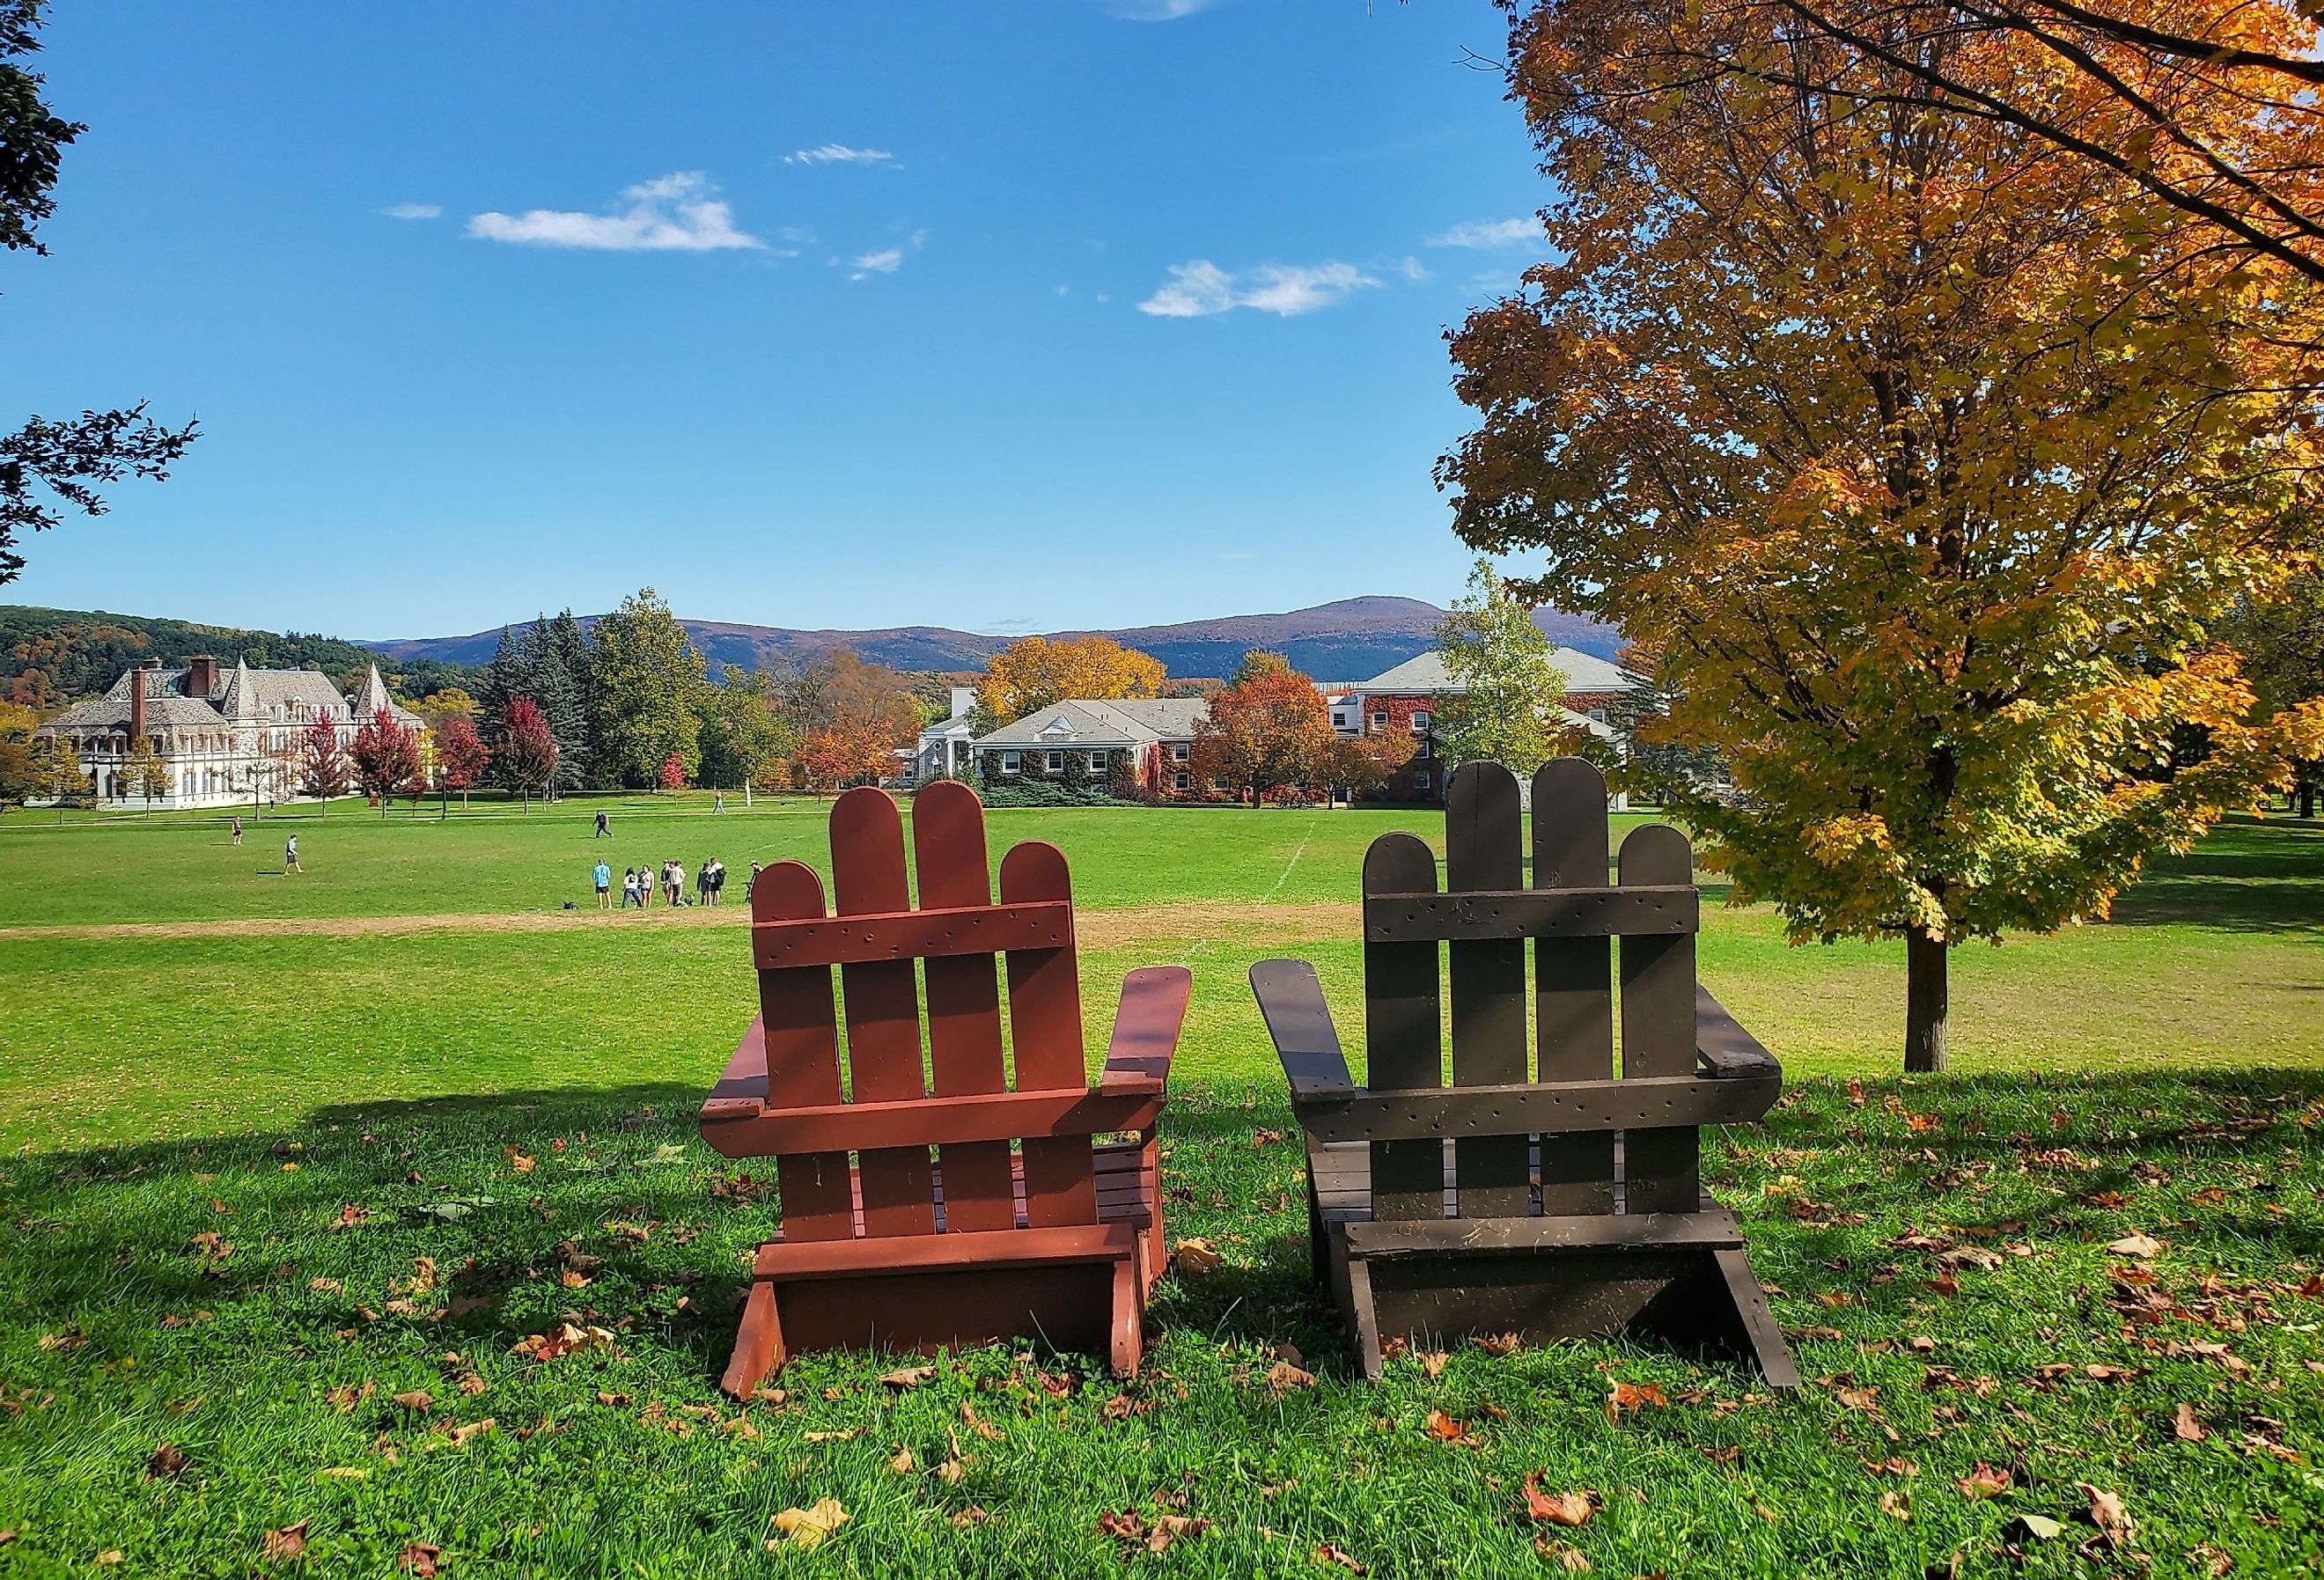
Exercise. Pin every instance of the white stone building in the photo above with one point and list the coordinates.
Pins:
(224, 736)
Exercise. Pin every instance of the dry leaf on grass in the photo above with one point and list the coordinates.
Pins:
(2185, 1426)
(849, 1436)
(1433, 1361)
(2106, 1512)
(1985, 1481)
(1156, 1536)
(165, 1461)
(807, 1527)
(419, 1559)
(1195, 1257)
(1497, 1345)
(903, 1463)
(1568, 1508)
(1632, 1397)
(1571, 1559)
(2135, 1244)
(1894, 1505)
(286, 1546)
(1332, 1552)
(1284, 1375)
(463, 1435)
(978, 1424)
(419, 1401)
(1443, 1428)
(908, 1376)
(953, 1467)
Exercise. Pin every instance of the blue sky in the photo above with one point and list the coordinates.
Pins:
(1004, 316)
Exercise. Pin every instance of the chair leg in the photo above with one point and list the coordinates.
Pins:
(1760, 1331)
(757, 1346)
(1357, 1299)
(1129, 1312)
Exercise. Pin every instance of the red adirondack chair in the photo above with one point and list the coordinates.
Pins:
(1020, 1224)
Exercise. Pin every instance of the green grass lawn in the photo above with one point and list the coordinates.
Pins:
(2162, 1073)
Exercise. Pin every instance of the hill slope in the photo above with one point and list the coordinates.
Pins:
(1348, 640)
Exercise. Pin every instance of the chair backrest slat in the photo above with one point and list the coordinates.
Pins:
(882, 1003)
(1486, 913)
(1573, 1002)
(1403, 1033)
(1045, 1020)
(964, 999)
(1662, 1169)
(801, 1029)
(1484, 849)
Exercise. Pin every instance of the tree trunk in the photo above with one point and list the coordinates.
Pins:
(2307, 800)
(1925, 1002)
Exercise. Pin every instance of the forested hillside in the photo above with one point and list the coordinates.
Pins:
(50, 657)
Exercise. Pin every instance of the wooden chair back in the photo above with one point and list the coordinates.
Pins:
(1468, 942)
(882, 944)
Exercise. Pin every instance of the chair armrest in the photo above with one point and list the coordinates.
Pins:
(742, 1089)
(1723, 1049)
(1291, 1002)
(1146, 1028)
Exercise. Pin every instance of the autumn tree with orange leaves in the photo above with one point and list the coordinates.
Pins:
(1030, 674)
(1916, 455)
(1269, 730)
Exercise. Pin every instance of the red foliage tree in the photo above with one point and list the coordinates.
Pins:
(526, 761)
(386, 756)
(320, 762)
(673, 773)
(1272, 728)
(461, 754)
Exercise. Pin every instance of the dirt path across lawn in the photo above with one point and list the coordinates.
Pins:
(1097, 929)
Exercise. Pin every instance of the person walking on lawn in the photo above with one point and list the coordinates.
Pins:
(603, 877)
(237, 833)
(290, 856)
(604, 829)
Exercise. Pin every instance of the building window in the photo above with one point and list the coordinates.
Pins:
(1420, 719)
(1420, 780)
(1598, 714)
(1220, 783)
(1380, 721)
(1056, 762)
(1097, 762)
(1009, 761)
(1181, 781)
(1180, 750)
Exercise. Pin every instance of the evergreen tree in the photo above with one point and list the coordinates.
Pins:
(507, 678)
(577, 737)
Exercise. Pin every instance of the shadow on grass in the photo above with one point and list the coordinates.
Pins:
(2249, 876)
(602, 1206)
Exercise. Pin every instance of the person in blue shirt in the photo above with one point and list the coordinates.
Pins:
(604, 874)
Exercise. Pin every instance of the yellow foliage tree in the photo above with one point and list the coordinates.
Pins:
(1915, 454)
(1035, 671)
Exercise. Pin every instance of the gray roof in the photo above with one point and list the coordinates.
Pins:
(239, 693)
(1131, 721)
(1425, 674)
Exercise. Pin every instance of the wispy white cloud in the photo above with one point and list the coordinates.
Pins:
(1489, 233)
(414, 211)
(886, 261)
(677, 213)
(840, 153)
(1158, 10)
(1201, 289)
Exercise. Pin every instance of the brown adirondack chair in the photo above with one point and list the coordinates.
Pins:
(1056, 1236)
(1555, 1202)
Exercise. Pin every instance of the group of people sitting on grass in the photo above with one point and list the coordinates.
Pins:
(641, 886)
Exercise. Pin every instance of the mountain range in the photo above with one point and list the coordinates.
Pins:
(1352, 639)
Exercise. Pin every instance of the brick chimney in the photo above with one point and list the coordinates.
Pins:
(201, 675)
(137, 700)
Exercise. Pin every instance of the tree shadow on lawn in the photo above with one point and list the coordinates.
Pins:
(602, 1206)
(2247, 876)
